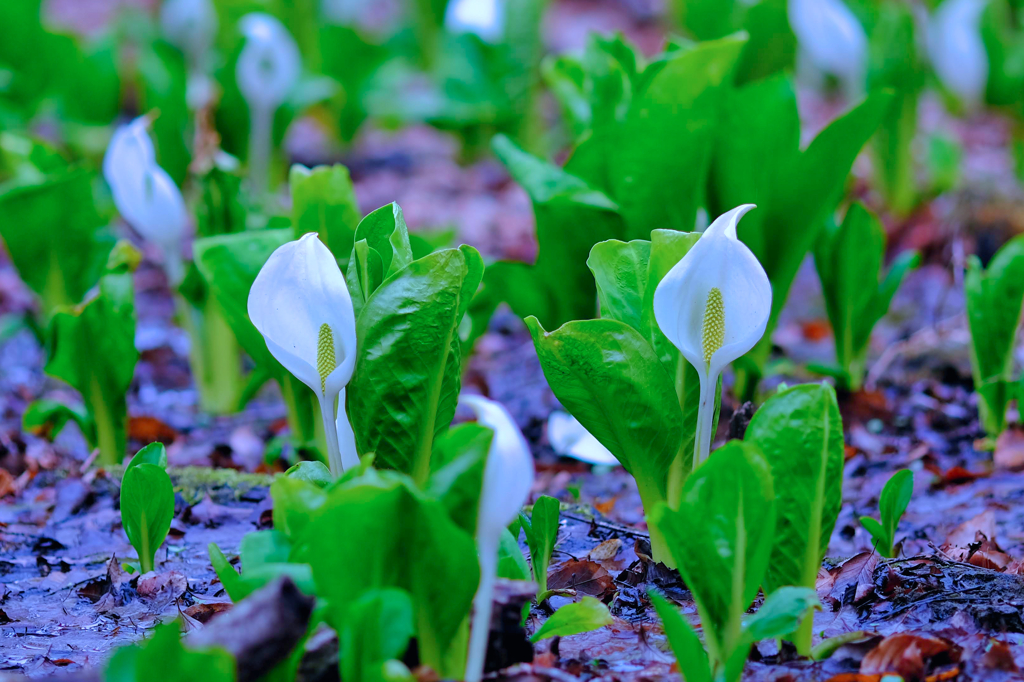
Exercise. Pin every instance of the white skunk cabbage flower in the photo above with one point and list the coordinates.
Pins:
(268, 68)
(831, 37)
(189, 25)
(956, 49)
(569, 438)
(508, 478)
(713, 305)
(485, 18)
(301, 306)
(145, 195)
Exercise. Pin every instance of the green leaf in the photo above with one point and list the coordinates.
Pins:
(771, 46)
(373, 630)
(147, 507)
(879, 538)
(316, 473)
(164, 652)
(721, 537)
(654, 163)
(382, 248)
(92, 348)
(800, 432)
(55, 237)
(541, 536)
(406, 382)
(621, 271)
(582, 616)
(849, 263)
(571, 217)
(458, 462)
(609, 378)
(798, 189)
(685, 644)
(894, 500)
(296, 501)
(49, 417)
(154, 453)
(994, 297)
(324, 201)
(780, 613)
(511, 562)
(404, 540)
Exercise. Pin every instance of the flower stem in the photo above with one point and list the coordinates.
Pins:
(705, 420)
(261, 142)
(482, 605)
(327, 413)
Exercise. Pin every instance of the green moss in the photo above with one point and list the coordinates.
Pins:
(195, 482)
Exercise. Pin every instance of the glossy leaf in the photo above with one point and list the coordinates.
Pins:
(994, 298)
(154, 453)
(891, 504)
(375, 629)
(382, 248)
(620, 270)
(147, 507)
(608, 377)
(406, 381)
(406, 541)
(575, 617)
(721, 537)
(800, 433)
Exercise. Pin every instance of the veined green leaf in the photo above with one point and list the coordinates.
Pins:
(147, 507)
(620, 270)
(582, 616)
(324, 201)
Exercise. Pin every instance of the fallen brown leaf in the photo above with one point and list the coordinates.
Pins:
(206, 611)
(908, 655)
(169, 585)
(1009, 453)
(586, 577)
(856, 574)
(147, 430)
(7, 486)
(999, 657)
(978, 533)
(606, 550)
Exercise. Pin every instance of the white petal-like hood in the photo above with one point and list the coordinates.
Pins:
(508, 476)
(485, 18)
(718, 260)
(269, 64)
(831, 36)
(956, 49)
(298, 290)
(569, 438)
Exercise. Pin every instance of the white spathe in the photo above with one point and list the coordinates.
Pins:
(508, 478)
(145, 195)
(300, 304)
(831, 37)
(569, 438)
(719, 260)
(956, 49)
(485, 18)
(189, 25)
(269, 64)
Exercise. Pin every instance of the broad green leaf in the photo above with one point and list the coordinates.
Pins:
(406, 382)
(994, 296)
(373, 630)
(879, 538)
(800, 433)
(405, 541)
(654, 163)
(147, 507)
(55, 237)
(296, 501)
(263, 559)
(511, 562)
(324, 201)
(49, 417)
(164, 652)
(621, 271)
(781, 613)
(162, 82)
(771, 46)
(541, 536)
(582, 616)
(848, 258)
(316, 473)
(382, 248)
(458, 462)
(685, 644)
(609, 378)
(92, 348)
(571, 217)
(154, 453)
(721, 537)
